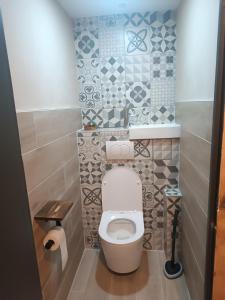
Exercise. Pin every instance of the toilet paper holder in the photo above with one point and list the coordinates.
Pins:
(49, 245)
(54, 211)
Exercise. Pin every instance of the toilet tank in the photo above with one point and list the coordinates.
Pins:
(121, 190)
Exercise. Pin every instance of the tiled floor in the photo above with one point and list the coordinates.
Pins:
(94, 281)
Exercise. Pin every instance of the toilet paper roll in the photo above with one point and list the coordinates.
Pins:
(58, 236)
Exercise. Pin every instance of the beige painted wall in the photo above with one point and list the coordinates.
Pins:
(41, 54)
(197, 27)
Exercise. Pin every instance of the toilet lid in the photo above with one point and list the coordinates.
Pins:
(121, 190)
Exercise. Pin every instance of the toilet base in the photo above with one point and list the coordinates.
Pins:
(122, 259)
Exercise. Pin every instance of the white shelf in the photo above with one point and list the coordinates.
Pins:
(154, 131)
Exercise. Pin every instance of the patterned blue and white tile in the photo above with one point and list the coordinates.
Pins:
(162, 149)
(92, 116)
(91, 172)
(81, 133)
(162, 38)
(153, 219)
(137, 19)
(91, 217)
(140, 116)
(163, 114)
(160, 18)
(137, 68)
(144, 168)
(89, 148)
(112, 21)
(166, 172)
(91, 195)
(148, 196)
(92, 239)
(163, 92)
(143, 149)
(113, 94)
(162, 65)
(113, 117)
(88, 71)
(148, 239)
(90, 96)
(112, 69)
(85, 23)
(136, 41)
(138, 94)
(111, 41)
(87, 44)
(159, 199)
(150, 221)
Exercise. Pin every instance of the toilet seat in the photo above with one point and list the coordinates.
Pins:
(133, 223)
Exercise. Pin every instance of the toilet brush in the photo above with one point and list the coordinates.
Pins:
(172, 269)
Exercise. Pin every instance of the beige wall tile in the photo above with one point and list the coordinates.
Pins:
(72, 173)
(196, 121)
(190, 204)
(197, 151)
(26, 131)
(77, 248)
(198, 183)
(77, 118)
(51, 189)
(53, 124)
(72, 193)
(200, 122)
(51, 167)
(41, 163)
(76, 295)
(192, 235)
(193, 277)
(73, 222)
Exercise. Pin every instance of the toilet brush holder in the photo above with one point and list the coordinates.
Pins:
(173, 269)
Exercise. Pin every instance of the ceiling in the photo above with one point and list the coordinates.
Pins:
(84, 8)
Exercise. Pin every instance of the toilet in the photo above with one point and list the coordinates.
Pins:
(121, 228)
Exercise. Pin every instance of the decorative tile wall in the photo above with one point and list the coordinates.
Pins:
(157, 164)
(126, 61)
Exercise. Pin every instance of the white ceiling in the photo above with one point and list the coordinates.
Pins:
(83, 8)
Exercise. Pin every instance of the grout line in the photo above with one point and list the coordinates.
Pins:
(197, 170)
(46, 145)
(18, 111)
(195, 135)
(200, 207)
(193, 255)
(62, 167)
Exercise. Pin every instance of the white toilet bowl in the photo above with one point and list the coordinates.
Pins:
(121, 228)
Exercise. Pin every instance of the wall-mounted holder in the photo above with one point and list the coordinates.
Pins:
(54, 211)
